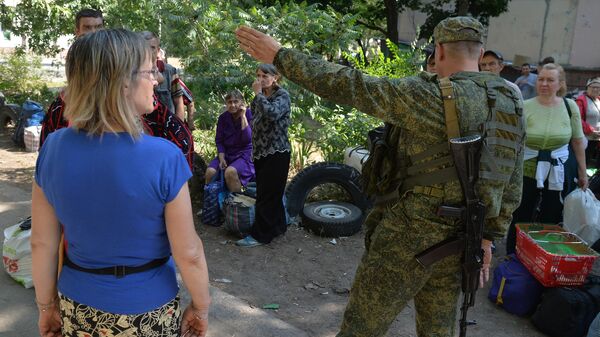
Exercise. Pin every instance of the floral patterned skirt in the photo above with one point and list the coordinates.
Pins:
(80, 320)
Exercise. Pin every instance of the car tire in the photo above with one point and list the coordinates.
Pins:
(8, 116)
(332, 218)
(322, 173)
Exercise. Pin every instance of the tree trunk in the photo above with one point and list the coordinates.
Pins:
(391, 9)
(462, 7)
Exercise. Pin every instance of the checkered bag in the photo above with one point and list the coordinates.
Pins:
(238, 210)
(31, 136)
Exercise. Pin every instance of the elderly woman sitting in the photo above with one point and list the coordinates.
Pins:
(234, 144)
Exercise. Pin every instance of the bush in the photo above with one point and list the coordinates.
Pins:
(204, 143)
(21, 79)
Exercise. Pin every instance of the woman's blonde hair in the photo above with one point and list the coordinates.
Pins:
(562, 78)
(99, 67)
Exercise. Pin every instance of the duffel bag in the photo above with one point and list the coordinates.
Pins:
(514, 288)
(567, 312)
(238, 210)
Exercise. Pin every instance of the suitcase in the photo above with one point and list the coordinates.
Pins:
(567, 312)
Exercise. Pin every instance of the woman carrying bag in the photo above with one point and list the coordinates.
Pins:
(552, 124)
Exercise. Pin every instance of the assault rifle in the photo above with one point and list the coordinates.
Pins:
(466, 152)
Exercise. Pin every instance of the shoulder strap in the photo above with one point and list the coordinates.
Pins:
(568, 107)
(449, 107)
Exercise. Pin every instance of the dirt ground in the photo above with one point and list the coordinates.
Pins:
(307, 276)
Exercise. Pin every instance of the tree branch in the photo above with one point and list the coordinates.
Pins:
(373, 27)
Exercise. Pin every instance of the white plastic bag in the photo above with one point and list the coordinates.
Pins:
(582, 215)
(356, 157)
(16, 254)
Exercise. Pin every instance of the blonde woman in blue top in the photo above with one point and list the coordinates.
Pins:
(124, 204)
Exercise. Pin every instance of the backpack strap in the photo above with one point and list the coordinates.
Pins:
(452, 127)
(417, 180)
(568, 107)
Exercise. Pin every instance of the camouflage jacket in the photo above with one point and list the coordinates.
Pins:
(415, 104)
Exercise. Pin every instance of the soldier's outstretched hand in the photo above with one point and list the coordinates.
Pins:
(259, 45)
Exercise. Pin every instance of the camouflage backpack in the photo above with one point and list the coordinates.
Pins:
(380, 171)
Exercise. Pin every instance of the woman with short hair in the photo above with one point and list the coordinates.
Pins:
(123, 201)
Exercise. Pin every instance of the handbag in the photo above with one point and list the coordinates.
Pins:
(211, 212)
(239, 212)
(514, 288)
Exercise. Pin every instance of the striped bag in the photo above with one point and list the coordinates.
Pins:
(238, 210)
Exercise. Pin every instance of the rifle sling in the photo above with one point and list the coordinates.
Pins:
(440, 250)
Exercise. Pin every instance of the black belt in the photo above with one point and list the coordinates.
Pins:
(118, 271)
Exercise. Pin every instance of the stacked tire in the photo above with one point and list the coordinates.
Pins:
(328, 218)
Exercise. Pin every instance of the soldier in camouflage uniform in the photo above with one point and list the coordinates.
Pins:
(389, 275)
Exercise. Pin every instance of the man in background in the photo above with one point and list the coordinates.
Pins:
(493, 62)
(88, 21)
(169, 91)
(526, 82)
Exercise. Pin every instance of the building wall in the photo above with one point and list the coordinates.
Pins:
(530, 30)
(586, 41)
(533, 29)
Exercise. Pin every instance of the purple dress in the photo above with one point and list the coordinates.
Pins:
(236, 144)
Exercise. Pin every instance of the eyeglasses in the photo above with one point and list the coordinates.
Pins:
(149, 74)
(594, 87)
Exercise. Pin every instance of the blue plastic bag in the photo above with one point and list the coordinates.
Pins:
(32, 114)
(214, 194)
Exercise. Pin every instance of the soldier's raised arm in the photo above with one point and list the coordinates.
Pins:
(381, 97)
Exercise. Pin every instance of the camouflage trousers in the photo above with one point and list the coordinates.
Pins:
(389, 276)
